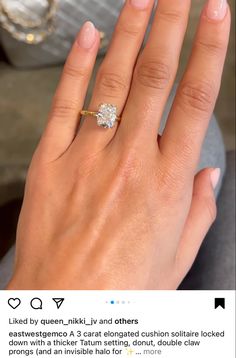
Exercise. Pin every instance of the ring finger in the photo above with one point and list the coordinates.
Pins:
(115, 74)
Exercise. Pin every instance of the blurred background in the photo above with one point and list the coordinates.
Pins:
(26, 90)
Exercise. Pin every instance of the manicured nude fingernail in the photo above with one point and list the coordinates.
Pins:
(87, 35)
(140, 4)
(215, 177)
(216, 9)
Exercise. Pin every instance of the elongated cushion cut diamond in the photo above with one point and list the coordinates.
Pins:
(106, 116)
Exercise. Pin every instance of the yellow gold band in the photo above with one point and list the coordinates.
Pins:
(88, 113)
(94, 114)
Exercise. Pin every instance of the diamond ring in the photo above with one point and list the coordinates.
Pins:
(106, 115)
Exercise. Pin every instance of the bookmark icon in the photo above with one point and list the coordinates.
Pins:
(58, 301)
(220, 302)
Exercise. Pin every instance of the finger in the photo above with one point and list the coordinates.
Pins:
(201, 216)
(70, 95)
(115, 74)
(196, 96)
(155, 70)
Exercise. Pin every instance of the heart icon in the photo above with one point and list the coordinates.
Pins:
(14, 302)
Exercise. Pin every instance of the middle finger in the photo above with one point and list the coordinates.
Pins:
(155, 71)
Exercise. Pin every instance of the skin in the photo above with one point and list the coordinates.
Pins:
(121, 208)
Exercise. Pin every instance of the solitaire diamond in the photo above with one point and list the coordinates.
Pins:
(107, 115)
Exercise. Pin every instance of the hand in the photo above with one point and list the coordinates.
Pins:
(118, 208)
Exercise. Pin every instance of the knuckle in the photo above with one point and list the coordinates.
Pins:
(111, 84)
(170, 16)
(75, 72)
(128, 170)
(128, 29)
(181, 152)
(171, 185)
(211, 47)
(185, 147)
(130, 167)
(153, 74)
(211, 209)
(198, 96)
(208, 204)
(61, 108)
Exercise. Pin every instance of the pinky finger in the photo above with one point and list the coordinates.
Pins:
(201, 216)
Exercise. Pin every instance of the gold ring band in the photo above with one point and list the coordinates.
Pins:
(88, 113)
(94, 114)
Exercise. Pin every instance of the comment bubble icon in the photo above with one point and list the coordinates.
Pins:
(36, 303)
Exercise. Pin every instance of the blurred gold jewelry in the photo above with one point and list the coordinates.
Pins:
(104, 40)
(37, 30)
(30, 24)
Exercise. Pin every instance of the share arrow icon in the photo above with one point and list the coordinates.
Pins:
(58, 301)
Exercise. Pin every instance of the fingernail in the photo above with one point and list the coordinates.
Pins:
(140, 4)
(215, 177)
(216, 9)
(87, 35)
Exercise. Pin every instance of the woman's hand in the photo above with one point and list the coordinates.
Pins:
(120, 208)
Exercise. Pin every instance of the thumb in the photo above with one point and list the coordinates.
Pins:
(201, 216)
